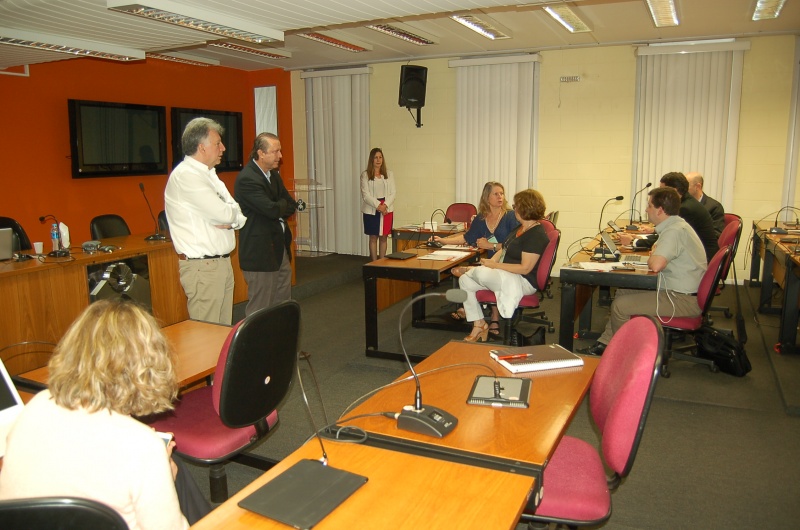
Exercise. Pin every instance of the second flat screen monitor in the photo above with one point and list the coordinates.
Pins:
(233, 157)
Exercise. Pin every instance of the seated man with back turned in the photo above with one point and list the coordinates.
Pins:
(714, 208)
(679, 259)
(692, 212)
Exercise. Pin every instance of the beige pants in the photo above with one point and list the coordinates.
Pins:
(630, 302)
(208, 284)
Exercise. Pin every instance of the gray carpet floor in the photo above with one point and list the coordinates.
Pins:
(718, 451)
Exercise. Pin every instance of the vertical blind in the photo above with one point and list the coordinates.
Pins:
(337, 116)
(687, 119)
(496, 126)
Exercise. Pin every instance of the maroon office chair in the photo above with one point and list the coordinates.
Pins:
(461, 212)
(255, 367)
(576, 490)
(679, 326)
(531, 301)
(729, 237)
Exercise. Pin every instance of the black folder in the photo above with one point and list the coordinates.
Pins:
(304, 494)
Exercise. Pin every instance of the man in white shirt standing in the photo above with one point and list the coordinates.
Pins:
(202, 216)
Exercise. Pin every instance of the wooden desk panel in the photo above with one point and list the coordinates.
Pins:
(196, 345)
(403, 492)
(524, 435)
(44, 297)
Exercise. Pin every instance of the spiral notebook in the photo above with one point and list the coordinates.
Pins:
(535, 358)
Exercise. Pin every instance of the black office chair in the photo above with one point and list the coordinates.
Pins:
(163, 223)
(19, 239)
(108, 225)
(59, 513)
(217, 423)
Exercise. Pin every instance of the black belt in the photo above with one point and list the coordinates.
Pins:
(183, 256)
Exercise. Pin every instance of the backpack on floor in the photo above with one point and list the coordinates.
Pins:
(720, 346)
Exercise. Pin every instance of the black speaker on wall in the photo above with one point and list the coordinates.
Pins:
(412, 86)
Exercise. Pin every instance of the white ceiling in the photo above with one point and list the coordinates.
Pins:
(530, 28)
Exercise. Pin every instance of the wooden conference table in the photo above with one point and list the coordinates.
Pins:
(409, 270)
(577, 286)
(781, 265)
(43, 296)
(479, 476)
(197, 345)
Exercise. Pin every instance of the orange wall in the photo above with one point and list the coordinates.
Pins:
(34, 142)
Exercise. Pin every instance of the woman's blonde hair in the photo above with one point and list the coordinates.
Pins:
(113, 357)
(483, 206)
(529, 204)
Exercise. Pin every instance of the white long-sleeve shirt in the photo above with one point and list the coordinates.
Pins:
(196, 200)
(105, 456)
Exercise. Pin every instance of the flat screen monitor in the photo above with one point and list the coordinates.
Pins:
(117, 139)
(233, 157)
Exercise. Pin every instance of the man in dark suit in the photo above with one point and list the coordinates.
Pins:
(265, 243)
(714, 207)
(691, 211)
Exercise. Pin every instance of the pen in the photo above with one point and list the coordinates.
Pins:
(515, 356)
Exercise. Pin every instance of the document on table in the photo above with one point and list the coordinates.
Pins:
(445, 255)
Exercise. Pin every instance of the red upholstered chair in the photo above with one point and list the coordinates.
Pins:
(531, 301)
(729, 237)
(678, 326)
(461, 212)
(576, 490)
(218, 423)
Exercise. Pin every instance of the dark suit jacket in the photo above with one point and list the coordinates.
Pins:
(717, 212)
(698, 218)
(262, 239)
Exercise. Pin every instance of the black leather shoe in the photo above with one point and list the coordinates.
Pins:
(595, 349)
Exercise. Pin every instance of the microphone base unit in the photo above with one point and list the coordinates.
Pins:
(63, 253)
(632, 227)
(428, 420)
(156, 237)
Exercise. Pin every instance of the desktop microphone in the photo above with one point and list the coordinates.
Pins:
(416, 418)
(600, 222)
(60, 252)
(432, 243)
(639, 213)
(600, 229)
(158, 236)
(778, 230)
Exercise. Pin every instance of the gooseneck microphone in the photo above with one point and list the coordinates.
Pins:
(418, 418)
(60, 252)
(431, 242)
(158, 236)
(603, 247)
(632, 226)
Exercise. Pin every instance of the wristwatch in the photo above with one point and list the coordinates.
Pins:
(494, 247)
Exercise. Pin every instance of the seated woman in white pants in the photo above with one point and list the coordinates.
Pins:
(510, 274)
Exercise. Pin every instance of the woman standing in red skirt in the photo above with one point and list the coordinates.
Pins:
(377, 202)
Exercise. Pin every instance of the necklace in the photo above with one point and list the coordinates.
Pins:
(492, 225)
(526, 228)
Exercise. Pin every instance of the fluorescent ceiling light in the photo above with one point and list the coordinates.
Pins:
(247, 49)
(193, 17)
(401, 34)
(182, 59)
(77, 47)
(479, 26)
(766, 9)
(330, 41)
(567, 18)
(663, 13)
